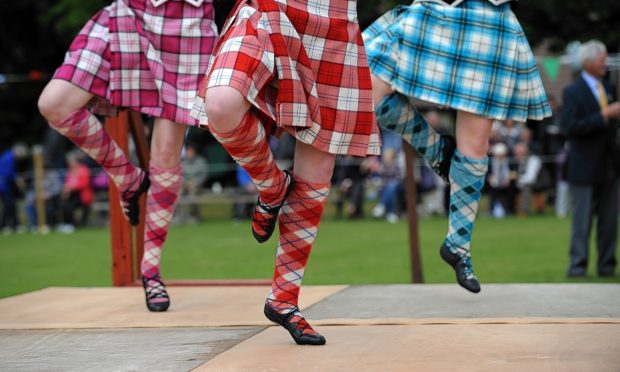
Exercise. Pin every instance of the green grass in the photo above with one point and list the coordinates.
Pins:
(513, 250)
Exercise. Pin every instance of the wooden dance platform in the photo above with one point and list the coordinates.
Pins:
(539, 327)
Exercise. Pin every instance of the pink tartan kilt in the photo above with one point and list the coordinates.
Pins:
(314, 83)
(149, 59)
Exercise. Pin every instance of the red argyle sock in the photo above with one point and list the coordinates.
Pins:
(160, 202)
(85, 130)
(299, 223)
(248, 145)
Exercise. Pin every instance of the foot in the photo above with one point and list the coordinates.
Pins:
(462, 267)
(157, 298)
(447, 151)
(296, 325)
(130, 199)
(265, 216)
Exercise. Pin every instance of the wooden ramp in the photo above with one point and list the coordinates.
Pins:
(368, 328)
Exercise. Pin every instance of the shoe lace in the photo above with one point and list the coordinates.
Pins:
(468, 268)
(154, 287)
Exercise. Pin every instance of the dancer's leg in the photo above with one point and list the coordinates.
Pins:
(165, 173)
(396, 113)
(63, 105)
(244, 138)
(299, 223)
(467, 175)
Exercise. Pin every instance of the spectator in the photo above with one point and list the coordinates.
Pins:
(499, 180)
(349, 176)
(10, 186)
(589, 121)
(52, 190)
(243, 209)
(195, 170)
(392, 180)
(530, 182)
(77, 193)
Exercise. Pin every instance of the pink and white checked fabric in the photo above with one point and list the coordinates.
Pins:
(148, 58)
(301, 64)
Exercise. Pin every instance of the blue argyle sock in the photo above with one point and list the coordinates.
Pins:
(397, 114)
(466, 181)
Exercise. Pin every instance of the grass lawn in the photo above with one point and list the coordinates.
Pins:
(512, 250)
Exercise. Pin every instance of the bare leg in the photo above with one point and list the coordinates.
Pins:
(467, 174)
(63, 104)
(238, 130)
(165, 173)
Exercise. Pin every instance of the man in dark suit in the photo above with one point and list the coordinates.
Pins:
(589, 121)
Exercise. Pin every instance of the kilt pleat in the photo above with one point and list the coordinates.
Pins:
(145, 58)
(303, 67)
(473, 57)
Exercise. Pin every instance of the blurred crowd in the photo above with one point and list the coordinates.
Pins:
(526, 176)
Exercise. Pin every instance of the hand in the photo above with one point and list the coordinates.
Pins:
(612, 111)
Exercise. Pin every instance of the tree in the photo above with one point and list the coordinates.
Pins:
(562, 21)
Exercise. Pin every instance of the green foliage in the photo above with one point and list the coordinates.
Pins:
(561, 21)
(512, 250)
(68, 16)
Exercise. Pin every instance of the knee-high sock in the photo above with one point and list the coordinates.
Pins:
(466, 181)
(160, 202)
(299, 223)
(85, 130)
(248, 145)
(397, 114)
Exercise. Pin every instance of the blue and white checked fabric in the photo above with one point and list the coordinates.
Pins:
(473, 57)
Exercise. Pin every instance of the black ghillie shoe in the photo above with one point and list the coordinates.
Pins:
(157, 298)
(132, 208)
(462, 267)
(447, 151)
(296, 329)
(264, 217)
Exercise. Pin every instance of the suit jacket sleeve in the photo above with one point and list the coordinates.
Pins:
(576, 118)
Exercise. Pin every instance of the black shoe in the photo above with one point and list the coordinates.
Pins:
(462, 267)
(155, 294)
(447, 151)
(132, 198)
(295, 329)
(264, 217)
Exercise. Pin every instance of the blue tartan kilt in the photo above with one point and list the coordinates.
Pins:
(473, 57)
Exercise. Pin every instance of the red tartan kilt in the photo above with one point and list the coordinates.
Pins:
(337, 66)
(149, 59)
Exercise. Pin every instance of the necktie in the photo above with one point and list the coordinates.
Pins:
(602, 95)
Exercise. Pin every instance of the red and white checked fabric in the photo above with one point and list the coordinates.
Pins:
(298, 221)
(160, 203)
(247, 144)
(86, 132)
(302, 64)
(150, 59)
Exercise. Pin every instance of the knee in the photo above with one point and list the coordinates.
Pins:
(165, 155)
(51, 107)
(225, 108)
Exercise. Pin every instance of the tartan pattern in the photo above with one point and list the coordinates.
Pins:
(302, 65)
(86, 132)
(473, 58)
(467, 177)
(396, 113)
(160, 203)
(299, 223)
(248, 145)
(149, 59)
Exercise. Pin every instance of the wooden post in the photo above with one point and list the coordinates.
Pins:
(39, 176)
(412, 213)
(120, 231)
(136, 128)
